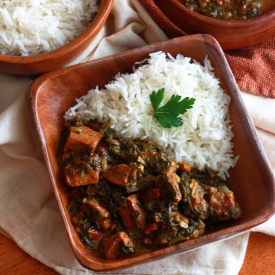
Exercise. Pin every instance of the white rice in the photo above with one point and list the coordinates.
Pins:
(29, 27)
(205, 138)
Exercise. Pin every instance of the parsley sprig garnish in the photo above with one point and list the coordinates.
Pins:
(167, 115)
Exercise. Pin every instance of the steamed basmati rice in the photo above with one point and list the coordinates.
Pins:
(206, 134)
(29, 27)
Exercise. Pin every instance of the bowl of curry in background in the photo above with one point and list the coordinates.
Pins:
(54, 59)
(240, 23)
(251, 180)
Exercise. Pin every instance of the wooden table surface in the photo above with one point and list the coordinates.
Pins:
(259, 259)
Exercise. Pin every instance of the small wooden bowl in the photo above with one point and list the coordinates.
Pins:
(230, 34)
(252, 179)
(45, 62)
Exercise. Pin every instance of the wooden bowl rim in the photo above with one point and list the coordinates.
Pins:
(223, 23)
(105, 7)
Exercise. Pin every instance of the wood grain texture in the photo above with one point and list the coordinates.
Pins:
(14, 261)
(260, 255)
(230, 34)
(259, 258)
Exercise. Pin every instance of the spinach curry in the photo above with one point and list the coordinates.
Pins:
(127, 196)
(230, 9)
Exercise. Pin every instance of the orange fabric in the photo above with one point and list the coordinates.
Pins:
(253, 67)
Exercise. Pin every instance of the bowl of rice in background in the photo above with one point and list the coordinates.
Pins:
(39, 36)
(217, 130)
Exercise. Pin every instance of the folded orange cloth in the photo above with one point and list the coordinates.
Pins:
(253, 67)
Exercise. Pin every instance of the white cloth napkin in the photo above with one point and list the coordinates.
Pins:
(29, 212)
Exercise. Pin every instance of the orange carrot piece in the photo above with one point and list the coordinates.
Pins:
(184, 167)
(95, 234)
(110, 246)
(126, 214)
(118, 174)
(82, 138)
(81, 173)
(151, 228)
(153, 193)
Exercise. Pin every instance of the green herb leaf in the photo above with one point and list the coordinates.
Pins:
(167, 115)
(156, 98)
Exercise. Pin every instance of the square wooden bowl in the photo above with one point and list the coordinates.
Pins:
(251, 180)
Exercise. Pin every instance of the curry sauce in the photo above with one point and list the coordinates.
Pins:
(230, 9)
(127, 196)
